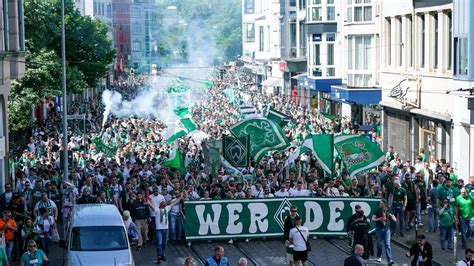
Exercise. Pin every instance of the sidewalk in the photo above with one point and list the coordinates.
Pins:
(439, 256)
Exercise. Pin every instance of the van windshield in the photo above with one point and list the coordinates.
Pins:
(98, 238)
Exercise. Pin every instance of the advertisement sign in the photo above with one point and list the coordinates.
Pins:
(256, 218)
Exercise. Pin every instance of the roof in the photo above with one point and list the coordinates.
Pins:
(96, 215)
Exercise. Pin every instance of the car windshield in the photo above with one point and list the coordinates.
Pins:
(98, 238)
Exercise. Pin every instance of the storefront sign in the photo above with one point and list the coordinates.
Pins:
(282, 66)
(252, 218)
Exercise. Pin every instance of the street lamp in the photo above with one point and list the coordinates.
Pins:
(63, 63)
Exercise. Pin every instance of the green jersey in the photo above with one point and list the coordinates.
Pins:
(410, 190)
(465, 206)
(399, 195)
(447, 217)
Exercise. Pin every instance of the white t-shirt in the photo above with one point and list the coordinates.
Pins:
(299, 193)
(162, 224)
(283, 194)
(462, 263)
(299, 242)
(155, 202)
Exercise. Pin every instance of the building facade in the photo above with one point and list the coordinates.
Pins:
(12, 66)
(144, 35)
(416, 76)
(121, 22)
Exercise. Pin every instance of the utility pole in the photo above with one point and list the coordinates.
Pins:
(63, 63)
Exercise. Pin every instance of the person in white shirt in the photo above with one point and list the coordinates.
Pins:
(468, 258)
(299, 235)
(341, 192)
(257, 190)
(299, 191)
(161, 222)
(267, 194)
(282, 193)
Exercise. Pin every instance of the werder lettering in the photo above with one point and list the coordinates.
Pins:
(313, 215)
(234, 209)
(335, 222)
(256, 218)
(258, 212)
(209, 223)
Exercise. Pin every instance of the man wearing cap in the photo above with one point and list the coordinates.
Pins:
(353, 217)
(399, 202)
(382, 217)
(421, 251)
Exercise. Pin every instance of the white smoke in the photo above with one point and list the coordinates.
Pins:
(154, 102)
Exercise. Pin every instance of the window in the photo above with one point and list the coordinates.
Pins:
(360, 66)
(136, 46)
(135, 13)
(423, 36)
(95, 8)
(330, 2)
(331, 71)
(330, 37)
(449, 40)
(261, 38)
(292, 34)
(436, 45)
(98, 238)
(331, 13)
(302, 5)
(409, 40)
(388, 44)
(400, 41)
(317, 55)
(359, 10)
(316, 14)
(249, 7)
(109, 10)
(136, 30)
(460, 44)
(250, 32)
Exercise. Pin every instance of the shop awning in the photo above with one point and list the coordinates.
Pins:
(298, 76)
(272, 82)
(363, 96)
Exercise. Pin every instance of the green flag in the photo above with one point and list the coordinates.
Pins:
(100, 146)
(327, 116)
(173, 132)
(265, 135)
(208, 84)
(175, 159)
(177, 90)
(322, 146)
(229, 93)
(278, 117)
(212, 155)
(181, 111)
(188, 124)
(236, 150)
(358, 153)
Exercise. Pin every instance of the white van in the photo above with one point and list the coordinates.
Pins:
(96, 235)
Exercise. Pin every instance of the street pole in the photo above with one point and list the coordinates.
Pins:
(63, 63)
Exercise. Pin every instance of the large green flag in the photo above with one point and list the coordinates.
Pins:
(212, 155)
(358, 153)
(278, 117)
(188, 124)
(181, 111)
(175, 159)
(236, 150)
(229, 93)
(322, 146)
(100, 146)
(173, 132)
(265, 135)
(177, 90)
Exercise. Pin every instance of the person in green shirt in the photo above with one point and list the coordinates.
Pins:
(382, 217)
(399, 202)
(446, 224)
(464, 214)
(410, 209)
(3, 258)
(447, 191)
(33, 256)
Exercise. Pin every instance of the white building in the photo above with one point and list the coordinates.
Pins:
(416, 76)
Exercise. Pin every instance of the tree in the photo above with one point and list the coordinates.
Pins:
(88, 52)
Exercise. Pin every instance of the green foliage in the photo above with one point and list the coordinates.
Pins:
(88, 52)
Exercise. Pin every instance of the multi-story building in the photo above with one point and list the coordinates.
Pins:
(121, 22)
(144, 35)
(12, 62)
(416, 76)
(80, 6)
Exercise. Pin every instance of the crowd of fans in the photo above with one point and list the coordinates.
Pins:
(133, 179)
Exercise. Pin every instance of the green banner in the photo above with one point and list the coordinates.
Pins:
(255, 218)
(109, 151)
